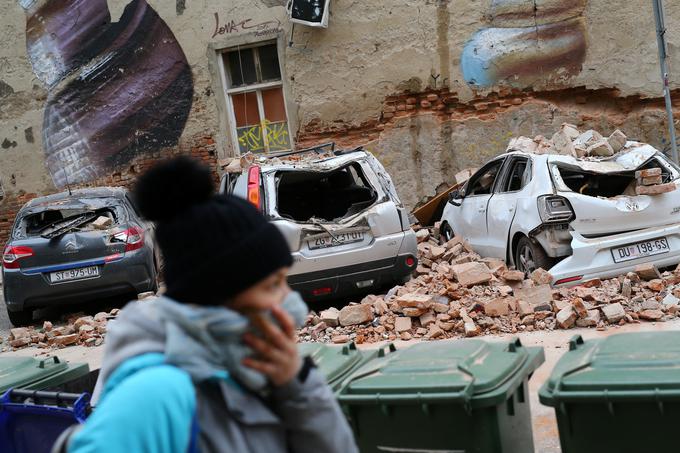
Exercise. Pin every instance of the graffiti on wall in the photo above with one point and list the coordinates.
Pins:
(529, 42)
(275, 138)
(269, 27)
(115, 89)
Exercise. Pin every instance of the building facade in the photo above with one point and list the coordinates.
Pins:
(93, 91)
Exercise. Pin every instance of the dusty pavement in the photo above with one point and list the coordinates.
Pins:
(555, 344)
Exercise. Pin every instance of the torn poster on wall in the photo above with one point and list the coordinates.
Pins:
(115, 90)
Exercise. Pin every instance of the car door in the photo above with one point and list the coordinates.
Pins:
(511, 187)
(471, 219)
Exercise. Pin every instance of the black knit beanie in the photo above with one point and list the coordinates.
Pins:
(213, 246)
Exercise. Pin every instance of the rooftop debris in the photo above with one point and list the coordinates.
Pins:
(457, 293)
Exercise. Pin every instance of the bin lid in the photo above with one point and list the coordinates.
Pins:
(461, 371)
(620, 367)
(333, 361)
(20, 372)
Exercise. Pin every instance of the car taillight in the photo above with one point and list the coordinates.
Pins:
(12, 255)
(133, 238)
(569, 280)
(553, 209)
(254, 186)
(410, 261)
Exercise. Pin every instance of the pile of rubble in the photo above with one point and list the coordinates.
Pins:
(457, 293)
(77, 330)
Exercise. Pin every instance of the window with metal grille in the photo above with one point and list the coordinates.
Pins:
(256, 100)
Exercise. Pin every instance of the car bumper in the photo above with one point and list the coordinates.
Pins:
(28, 289)
(592, 258)
(349, 280)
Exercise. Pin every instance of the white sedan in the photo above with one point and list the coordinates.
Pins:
(578, 218)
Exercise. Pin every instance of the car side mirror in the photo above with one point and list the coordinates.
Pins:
(456, 197)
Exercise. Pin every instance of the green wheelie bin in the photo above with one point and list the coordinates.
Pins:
(446, 396)
(617, 394)
(39, 374)
(336, 362)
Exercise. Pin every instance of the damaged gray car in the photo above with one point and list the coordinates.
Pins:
(77, 247)
(342, 217)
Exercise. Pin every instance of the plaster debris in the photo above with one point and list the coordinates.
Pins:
(459, 294)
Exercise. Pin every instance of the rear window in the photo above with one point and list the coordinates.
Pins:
(79, 214)
(310, 195)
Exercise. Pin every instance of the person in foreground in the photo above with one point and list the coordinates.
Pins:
(212, 365)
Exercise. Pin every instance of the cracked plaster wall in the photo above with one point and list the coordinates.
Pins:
(340, 77)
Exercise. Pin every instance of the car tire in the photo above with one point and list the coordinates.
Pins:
(530, 256)
(20, 318)
(445, 233)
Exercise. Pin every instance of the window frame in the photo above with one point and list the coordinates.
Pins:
(257, 88)
(480, 172)
(507, 172)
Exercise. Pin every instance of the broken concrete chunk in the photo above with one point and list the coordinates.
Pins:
(413, 312)
(651, 180)
(601, 148)
(64, 340)
(464, 175)
(402, 324)
(651, 315)
(102, 222)
(648, 173)
(406, 336)
(670, 299)
(85, 320)
(497, 307)
(18, 333)
(566, 317)
(591, 320)
(355, 314)
(331, 317)
(655, 190)
(617, 140)
(473, 273)
(415, 300)
(563, 144)
(588, 138)
(427, 318)
(613, 312)
(541, 277)
(524, 144)
(422, 235)
(580, 307)
(513, 276)
(339, 339)
(20, 342)
(540, 297)
(647, 271)
(436, 252)
(570, 131)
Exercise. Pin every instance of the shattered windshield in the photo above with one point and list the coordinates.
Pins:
(52, 219)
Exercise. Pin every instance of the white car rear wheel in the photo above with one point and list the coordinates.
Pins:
(530, 256)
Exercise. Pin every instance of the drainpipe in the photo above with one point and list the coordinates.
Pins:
(661, 41)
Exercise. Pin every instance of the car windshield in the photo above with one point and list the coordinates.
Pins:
(49, 220)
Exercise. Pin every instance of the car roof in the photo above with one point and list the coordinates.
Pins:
(323, 161)
(75, 195)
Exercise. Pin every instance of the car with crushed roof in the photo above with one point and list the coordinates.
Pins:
(347, 228)
(76, 247)
(580, 218)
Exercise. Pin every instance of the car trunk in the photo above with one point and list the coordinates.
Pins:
(327, 209)
(66, 234)
(605, 202)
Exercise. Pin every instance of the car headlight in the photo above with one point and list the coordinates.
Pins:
(553, 208)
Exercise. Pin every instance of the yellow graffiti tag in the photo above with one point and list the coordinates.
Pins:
(275, 138)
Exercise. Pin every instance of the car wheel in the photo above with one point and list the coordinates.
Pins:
(445, 233)
(20, 318)
(530, 256)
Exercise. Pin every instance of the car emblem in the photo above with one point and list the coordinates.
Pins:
(71, 247)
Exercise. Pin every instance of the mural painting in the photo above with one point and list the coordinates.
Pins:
(115, 89)
(528, 42)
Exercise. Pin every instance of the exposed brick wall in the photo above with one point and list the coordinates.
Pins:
(202, 148)
(446, 105)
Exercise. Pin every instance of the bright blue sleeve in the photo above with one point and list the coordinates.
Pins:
(151, 411)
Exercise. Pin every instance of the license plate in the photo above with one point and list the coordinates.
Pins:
(74, 274)
(640, 250)
(322, 242)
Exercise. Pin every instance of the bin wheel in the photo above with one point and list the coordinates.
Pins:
(20, 318)
(530, 256)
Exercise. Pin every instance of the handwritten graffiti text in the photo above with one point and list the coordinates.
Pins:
(232, 26)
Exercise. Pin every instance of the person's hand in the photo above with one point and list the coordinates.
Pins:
(276, 354)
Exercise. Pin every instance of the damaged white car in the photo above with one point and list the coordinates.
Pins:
(579, 218)
(339, 211)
